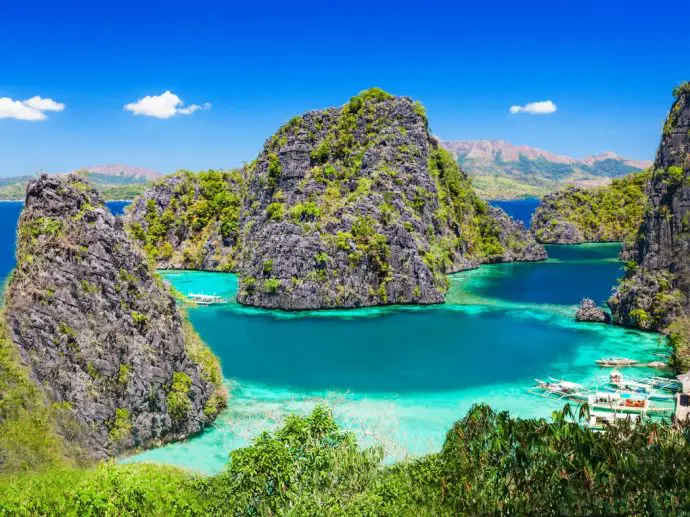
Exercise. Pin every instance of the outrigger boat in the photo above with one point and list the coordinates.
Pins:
(612, 362)
(632, 387)
(660, 383)
(623, 403)
(599, 421)
(561, 389)
(206, 299)
(616, 403)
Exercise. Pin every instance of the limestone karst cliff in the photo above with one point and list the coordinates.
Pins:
(358, 206)
(344, 207)
(98, 332)
(656, 288)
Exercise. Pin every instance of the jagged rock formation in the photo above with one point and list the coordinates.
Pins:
(360, 206)
(588, 311)
(99, 332)
(189, 221)
(656, 288)
(603, 214)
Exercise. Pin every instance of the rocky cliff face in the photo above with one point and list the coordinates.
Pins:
(603, 214)
(99, 332)
(656, 288)
(189, 221)
(360, 206)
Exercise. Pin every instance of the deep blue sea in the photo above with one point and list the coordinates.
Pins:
(520, 209)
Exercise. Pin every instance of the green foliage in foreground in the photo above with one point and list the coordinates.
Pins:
(490, 464)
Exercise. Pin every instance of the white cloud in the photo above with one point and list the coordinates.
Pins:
(535, 108)
(41, 104)
(165, 105)
(31, 109)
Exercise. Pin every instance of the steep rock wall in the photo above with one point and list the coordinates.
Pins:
(99, 332)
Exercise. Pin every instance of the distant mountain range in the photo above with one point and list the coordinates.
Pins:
(122, 171)
(503, 170)
(113, 181)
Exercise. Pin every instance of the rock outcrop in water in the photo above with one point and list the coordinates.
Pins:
(602, 214)
(360, 206)
(656, 288)
(99, 332)
(588, 311)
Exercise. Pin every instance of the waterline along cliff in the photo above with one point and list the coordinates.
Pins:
(656, 289)
(344, 207)
(96, 331)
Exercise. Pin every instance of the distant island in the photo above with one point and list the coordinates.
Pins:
(501, 170)
(113, 182)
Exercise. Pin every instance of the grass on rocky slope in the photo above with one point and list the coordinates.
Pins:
(28, 436)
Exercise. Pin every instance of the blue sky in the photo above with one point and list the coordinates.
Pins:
(609, 67)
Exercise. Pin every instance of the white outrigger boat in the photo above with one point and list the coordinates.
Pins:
(623, 403)
(630, 387)
(598, 421)
(560, 389)
(617, 403)
(206, 299)
(613, 362)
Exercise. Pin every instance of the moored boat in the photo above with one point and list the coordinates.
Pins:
(598, 421)
(206, 299)
(617, 403)
(629, 387)
(612, 362)
(561, 389)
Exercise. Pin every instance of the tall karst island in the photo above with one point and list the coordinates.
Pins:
(95, 356)
(655, 293)
(344, 207)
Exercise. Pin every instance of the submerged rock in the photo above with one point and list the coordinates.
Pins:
(588, 311)
(101, 334)
(656, 287)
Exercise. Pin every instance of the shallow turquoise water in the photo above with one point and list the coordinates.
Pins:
(400, 376)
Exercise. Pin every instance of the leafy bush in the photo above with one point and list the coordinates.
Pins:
(177, 398)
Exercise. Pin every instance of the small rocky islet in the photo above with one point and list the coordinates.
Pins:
(344, 207)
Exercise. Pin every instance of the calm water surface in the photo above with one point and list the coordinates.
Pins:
(399, 376)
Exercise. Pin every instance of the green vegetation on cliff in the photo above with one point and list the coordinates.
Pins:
(95, 355)
(190, 220)
(28, 423)
(490, 464)
(367, 190)
(602, 214)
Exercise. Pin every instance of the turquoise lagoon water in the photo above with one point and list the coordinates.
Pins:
(400, 376)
